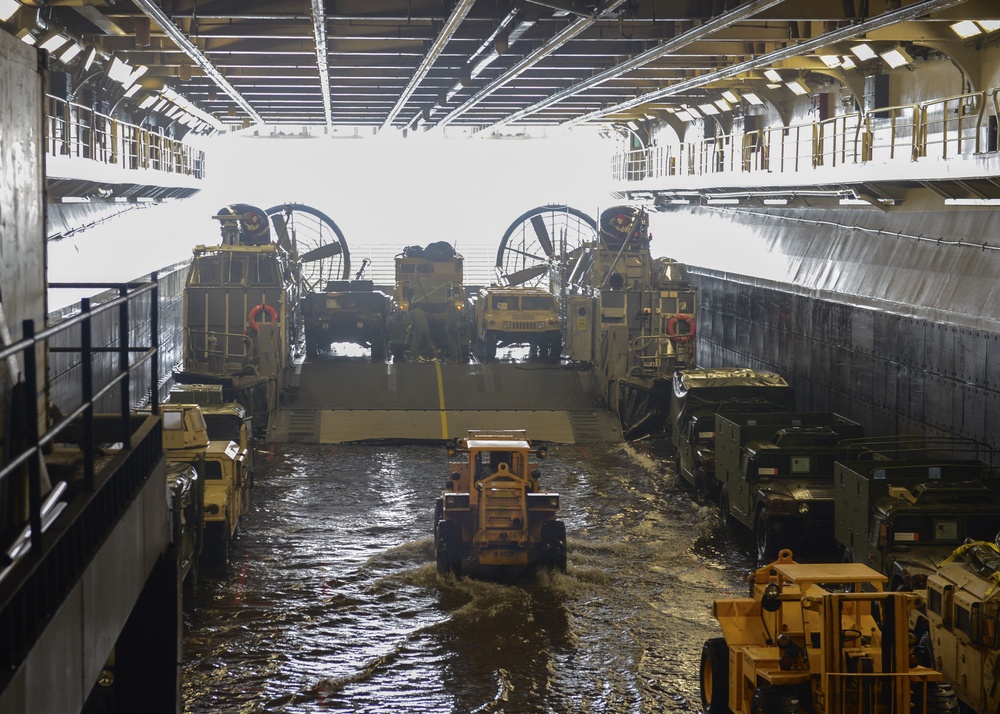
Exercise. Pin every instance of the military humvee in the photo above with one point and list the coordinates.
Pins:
(509, 316)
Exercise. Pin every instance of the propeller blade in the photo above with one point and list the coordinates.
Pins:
(538, 223)
(519, 277)
(324, 251)
(281, 229)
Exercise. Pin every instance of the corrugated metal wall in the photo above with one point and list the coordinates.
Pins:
(895, 374)
(64, 367)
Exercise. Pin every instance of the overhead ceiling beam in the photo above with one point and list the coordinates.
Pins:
(532, 58)
(447, 32)
(157, 15)
(319, 35)
(844, 33)
(739, 13)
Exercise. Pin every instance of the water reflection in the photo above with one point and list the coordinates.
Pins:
(332, 601)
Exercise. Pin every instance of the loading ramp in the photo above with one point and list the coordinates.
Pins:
(341, 400)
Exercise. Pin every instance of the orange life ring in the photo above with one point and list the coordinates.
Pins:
(252, 317)
(672, 327)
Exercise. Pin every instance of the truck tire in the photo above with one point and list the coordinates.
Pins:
(447, 541)
(702, 491)
(714, 676)
(775, 700)
(767, 534)
(216, 545)
(554, 545)
(727, 517)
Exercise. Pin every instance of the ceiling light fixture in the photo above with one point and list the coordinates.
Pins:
(52, 41)
(753, 99)
(133, 90)
(26, 36)
(683, 115)
(708, 110)
(896, 57)
(773, 75)
(148, 102)
(772, 85)
(69, 54)
(863, 52)
(731, 97)
(8, 8)
(119, 71)
(723, 105)
(989, 25)
(89, 60)
(830, 61)
(798, 87)
(695, 114)
(847, 62)
(966, 29)
(133, 76)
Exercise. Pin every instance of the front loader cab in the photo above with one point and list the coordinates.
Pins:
(491, 517)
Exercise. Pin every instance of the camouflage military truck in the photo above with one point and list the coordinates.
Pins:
(348, 311)
(509, 316)
(775, 473)
(697, 395)
(426, 279)
(963, 620)
(904, 517)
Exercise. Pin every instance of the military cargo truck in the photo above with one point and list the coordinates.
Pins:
(509, 316)
(697, 395)
(427, 279)
(222, 466)
(225, 420)
(775, 472)
(492, 519)
(904, 517)
(963, 616)
(348, 311)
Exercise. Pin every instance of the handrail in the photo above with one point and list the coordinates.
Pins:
(78, 132)
(35, 438)
(937, 128)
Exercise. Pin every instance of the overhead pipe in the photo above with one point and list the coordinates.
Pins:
(319, 36)
(684, 39)
(175, 33)
(531, 59)
(444, 37)
(844, 33)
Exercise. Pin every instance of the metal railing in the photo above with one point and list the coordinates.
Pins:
(76, 131)
(962, 125)
(34, 439)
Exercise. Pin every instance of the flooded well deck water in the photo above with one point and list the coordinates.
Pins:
(331, 601)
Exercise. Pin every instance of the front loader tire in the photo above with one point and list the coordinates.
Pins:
(447, 541)
(714, 676)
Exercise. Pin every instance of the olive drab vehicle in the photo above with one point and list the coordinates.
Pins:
(963, 621)
(348, 311)
(225, 420)
(509, 316)
(698, 394)
(220, 464)
(775, 473)
(818, 639)
(430, 280)
(904, 516)
(492, 519)
(646, 321)
(241, 303)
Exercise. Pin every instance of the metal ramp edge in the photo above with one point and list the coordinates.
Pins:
(332, 426)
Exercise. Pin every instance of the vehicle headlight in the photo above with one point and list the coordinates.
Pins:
(803, 508)
(360, 325)
(506, 325)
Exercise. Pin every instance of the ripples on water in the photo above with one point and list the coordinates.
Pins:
(332, 601)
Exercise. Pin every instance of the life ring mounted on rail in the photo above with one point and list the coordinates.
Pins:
(672, 328)
(255, 313)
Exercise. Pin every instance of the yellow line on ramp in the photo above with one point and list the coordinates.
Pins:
(444, 414)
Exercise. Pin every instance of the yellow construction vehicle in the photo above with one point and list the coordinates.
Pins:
(818, 638)
(491, 518)
(222, 465)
